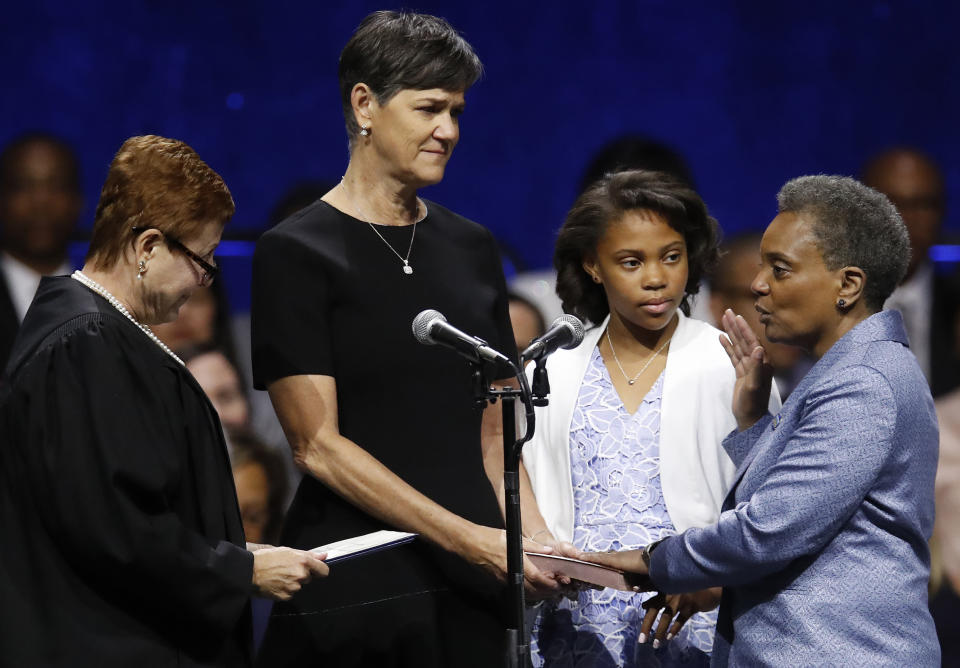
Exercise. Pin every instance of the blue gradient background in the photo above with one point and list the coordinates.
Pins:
(752, 93)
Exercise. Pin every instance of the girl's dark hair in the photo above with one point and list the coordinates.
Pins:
(392, 51)
(606, 201)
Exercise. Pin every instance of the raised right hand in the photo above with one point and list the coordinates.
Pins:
(280, 572)
(751, 392)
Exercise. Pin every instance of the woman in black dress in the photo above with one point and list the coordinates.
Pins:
(122, 541)
(386, 428)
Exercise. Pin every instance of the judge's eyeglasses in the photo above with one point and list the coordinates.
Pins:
(210, 271)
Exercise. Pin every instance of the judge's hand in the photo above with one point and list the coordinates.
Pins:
(488, 550)
(751, 392)
(677, 609)
(280, 572)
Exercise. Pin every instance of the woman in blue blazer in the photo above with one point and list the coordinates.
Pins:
(822, 544)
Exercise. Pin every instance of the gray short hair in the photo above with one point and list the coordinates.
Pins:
(392, 51)
(854, 226)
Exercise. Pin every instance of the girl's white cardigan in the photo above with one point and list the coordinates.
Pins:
(695, 472)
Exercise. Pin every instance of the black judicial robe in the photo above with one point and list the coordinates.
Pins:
(120, 535)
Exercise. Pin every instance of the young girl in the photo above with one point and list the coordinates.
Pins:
(628, 450)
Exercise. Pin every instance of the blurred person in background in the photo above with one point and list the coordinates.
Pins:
(928, 302)
(263, 419)
(221, 383)
(260, 477)
(296, 198)
(945, 547)
(40, 203)
(633, 151)
(204, 320)
(526, 320)
(730, 289)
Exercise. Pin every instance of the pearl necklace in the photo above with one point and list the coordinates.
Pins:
(407, 269)
(631, 381)
(115, 303)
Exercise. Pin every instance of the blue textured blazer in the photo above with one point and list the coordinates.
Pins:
(822, 544)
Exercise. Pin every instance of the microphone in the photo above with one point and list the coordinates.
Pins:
(431, 328)
(565, 332)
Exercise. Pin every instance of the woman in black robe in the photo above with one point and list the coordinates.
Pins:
(122, 541)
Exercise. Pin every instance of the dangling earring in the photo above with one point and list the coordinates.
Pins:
(841, 303)
(143, 268)
(364, 130)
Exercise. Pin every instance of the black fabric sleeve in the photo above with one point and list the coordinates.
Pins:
(288, 312)
(110, 460)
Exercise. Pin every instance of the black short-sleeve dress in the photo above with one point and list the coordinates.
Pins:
(330, 298)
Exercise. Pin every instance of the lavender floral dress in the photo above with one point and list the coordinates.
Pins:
(618, 505)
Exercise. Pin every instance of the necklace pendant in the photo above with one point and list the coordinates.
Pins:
(407, 269)
(631, 381)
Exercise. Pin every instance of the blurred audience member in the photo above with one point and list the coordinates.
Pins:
(259, 475)
(636, 152)
(539, 287)
(204, 320)
(40, 202)
(526, 319)
(730, 288)
(220, 381)
(297, 197)
(263, 419)
(915, 185)
(945, 546)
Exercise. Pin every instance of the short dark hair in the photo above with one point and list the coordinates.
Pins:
(392, 51)
(12, 150)
(608, 200)
(854, 226)
(155, 182)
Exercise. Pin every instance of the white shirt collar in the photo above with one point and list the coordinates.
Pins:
(22, 281)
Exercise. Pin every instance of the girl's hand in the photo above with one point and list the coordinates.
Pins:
(676, 608)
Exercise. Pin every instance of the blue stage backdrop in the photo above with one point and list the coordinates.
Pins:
(752, 93)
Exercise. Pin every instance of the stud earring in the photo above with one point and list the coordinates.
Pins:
(596, 279)
(142, 266)
(841, 303)
(364, 130)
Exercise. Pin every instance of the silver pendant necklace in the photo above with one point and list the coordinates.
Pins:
(631, 381)
(407, 269)
(115, 303)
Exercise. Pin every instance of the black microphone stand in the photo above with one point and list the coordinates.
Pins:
(517, 647)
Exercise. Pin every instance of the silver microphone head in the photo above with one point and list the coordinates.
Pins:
(576, 327)
(423, 323)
